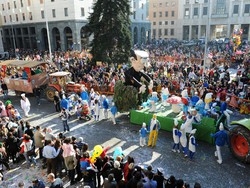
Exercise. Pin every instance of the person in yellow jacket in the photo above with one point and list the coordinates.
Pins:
(154, 127)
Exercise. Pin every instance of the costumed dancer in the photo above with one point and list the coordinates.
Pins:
(221, 138)
(194, 99)
(208, 100)
(143, 134)
(92, 100)
(153, 131)
(190, 118)
(64, 103)
(105, 105)
(183, 140)
(225, 111)
(113, 111)
(25, 104)
(176, 137)
(153, 100)
(84, 94)
(192, 144)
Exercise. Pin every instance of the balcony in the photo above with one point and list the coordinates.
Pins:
(219, 15)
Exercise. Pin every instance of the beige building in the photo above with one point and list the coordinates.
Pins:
(192, 17)
(163, 15)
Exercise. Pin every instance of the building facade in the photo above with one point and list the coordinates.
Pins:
(194, 19)
(163, 15)
(32, 24)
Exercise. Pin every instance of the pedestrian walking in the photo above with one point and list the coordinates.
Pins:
(25, 104)
(37, 92)
(65, 116)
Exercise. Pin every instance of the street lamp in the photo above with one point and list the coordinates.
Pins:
(13, 37)
(48, 35)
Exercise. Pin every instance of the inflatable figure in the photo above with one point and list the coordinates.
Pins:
(97, 151)
(153, 100)
(135, 74)
(200, 107)
(164, 96)
(208, 100)
(118, 153)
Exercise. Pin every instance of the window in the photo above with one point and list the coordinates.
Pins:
(10, 18)
(52, 0)
(23, 17)
(17, 17)
(142, 5)
(173, 4)
(42, 14)
(4, 19)
(142, 17)
(21, 2)
(187, 1)
(247, 8)
(172, 22)
(205, 1)
(66, 12)
(154, 32)
(204, 11)
(186, 12)
(134, 5)
(172, 13)
(196, 11)
(166, 22)
(2, 7)
(154, 23)
(165, 31)
(160, 4)
(9, 6)
(236, 9)
(172, 32)
(160, 14)
(159, 32)
(154, 14)
(167, 4)
(30, 16)
(29, 3)
(82, 12)
(53, 13)
(166, 14)
(160, 23)
(196, 1)
(134, 14)
(41, 1)
(154, 5)
(14, 4)
(220, 7)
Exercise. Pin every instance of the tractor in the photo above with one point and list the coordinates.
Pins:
(239, 139)
(59, 81)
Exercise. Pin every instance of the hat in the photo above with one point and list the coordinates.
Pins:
(159, 171)
(23, 95)
(80, 139)
(221, 127)
(193, 131)
(143, 124)
(116, 164)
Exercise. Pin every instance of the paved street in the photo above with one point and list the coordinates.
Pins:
(204, 169)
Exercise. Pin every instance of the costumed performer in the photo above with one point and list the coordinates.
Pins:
(221, 138)
(113, 111)
(143, 134)
(183, 140)
(192, 144)
(154, 127)
(192, 116)
(176, 137)
(25, 104)
(225, 111)
(105, 105)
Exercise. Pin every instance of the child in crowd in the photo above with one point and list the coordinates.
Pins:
(143, 134)
(176, 137)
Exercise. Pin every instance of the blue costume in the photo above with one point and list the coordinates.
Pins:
(64, 103)
(84, 95)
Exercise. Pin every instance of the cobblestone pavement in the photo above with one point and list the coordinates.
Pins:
(203, 169)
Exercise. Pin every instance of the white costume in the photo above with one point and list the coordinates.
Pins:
(25, 105)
